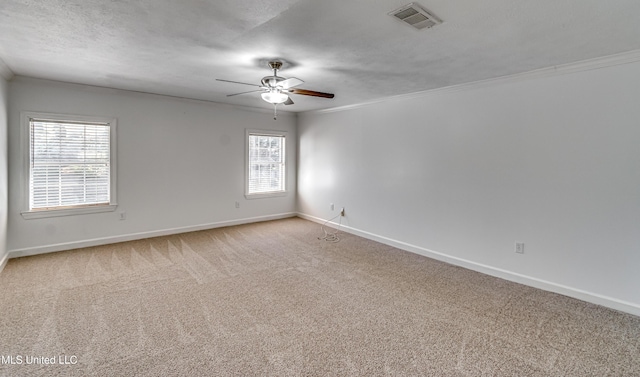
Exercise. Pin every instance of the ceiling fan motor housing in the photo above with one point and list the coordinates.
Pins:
(272, 81)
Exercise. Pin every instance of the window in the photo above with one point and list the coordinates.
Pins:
(266, 167)
(71, 164)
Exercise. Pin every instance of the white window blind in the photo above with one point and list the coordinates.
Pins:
(266, 170)
(69, 164)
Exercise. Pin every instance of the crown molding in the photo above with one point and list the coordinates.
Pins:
(562, 69)
(105, 89)
(5, 71)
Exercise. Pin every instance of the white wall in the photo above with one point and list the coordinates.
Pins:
(180, 166)
(461, 175)
(4, 178)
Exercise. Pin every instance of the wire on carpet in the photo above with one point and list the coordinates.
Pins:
(329, 236)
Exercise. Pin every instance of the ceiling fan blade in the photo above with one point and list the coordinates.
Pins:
(238, 82)
(305, 92)
(291, 82)
(237, 94)
(289, 101)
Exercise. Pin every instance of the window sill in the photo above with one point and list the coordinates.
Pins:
(28, 215)
(266, 195)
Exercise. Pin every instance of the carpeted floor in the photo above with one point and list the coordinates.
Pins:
(271, 299)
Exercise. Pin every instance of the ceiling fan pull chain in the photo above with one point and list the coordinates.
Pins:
(275, 111)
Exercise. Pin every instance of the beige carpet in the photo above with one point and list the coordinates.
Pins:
(271, 299)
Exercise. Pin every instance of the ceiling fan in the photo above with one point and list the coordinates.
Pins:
(276, 89)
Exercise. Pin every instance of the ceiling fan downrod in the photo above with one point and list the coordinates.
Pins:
(275, 66)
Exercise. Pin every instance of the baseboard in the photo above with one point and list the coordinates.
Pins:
(4, 261)
(137, 236)
(579, 294)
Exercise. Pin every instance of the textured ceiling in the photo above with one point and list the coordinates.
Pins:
(348, 47)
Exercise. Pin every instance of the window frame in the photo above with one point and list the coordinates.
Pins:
(271, 194)
(25, 121)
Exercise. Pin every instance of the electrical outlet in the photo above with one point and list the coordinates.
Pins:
(342, 211)
(123, 215)
(331, 206)
(519, 247)
(237, 204)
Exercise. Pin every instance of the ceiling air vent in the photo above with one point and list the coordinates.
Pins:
(416, 16)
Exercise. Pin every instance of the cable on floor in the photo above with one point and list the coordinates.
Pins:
(331, 236)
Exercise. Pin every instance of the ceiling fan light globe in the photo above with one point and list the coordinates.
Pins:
(274, 97)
